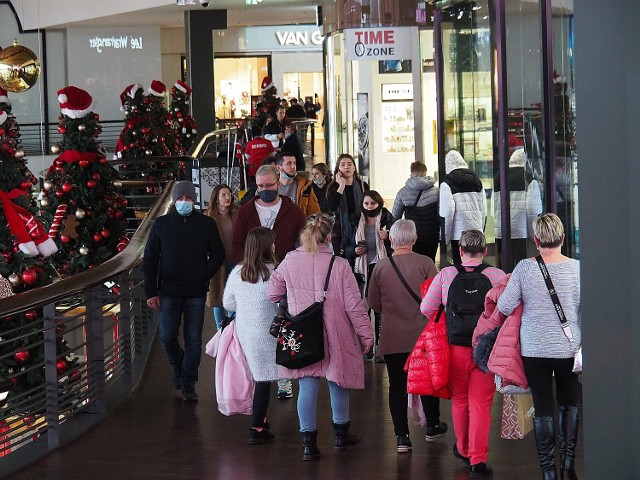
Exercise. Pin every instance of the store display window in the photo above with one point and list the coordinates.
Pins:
(237, 80)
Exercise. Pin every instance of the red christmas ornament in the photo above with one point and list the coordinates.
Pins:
(1, 131)
(65, 239)
(22, 356)
(67, 187)
(124, 202)
(29, 276)
(31, 315)
(97, 237)
(26, 185)
(130, 125)
(116, 289)
(95, 176)
(62, 129)
(59, 193)
(91, 184)
(61, 366)
(83, 163)
(105, 233)
(74, 376)
(122, 243)
(7, 255)
(96, 117)
(118, 214)
(103, 161)
(145, 130)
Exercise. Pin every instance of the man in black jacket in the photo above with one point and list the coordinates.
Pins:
(184, 250)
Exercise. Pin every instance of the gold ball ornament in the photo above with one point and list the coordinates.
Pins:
(55, 148)
(19, 154)
(44, 202)
(148, 152)
(81, 128)
(83, 250)
(19, 68)
(117, 184)
(48, 185)
(15, 280)
(80, 213)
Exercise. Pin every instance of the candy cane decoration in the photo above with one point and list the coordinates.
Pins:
(57, 220)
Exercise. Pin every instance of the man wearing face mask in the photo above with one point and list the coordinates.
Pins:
(296, 187)
(184, 250)
(268, 209)
(292, 145)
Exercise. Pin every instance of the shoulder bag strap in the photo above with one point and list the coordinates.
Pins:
(556, 301)
(326, 281)
(404, 282)
(418, 198)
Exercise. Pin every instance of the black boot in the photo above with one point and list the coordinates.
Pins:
(568, 420)
(310, 446)
(343, 439)
(545, 434)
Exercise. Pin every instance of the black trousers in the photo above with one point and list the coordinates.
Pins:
(428, 248)
(261, 396)
(455, 252)
(540, 374)
(398, 396)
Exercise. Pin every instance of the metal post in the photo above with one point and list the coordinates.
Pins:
(124, 324)
(500, 109)
(439, 68)
(51, 377)
(548, 111)
(95, 349)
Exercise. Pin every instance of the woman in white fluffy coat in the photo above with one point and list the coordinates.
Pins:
(245, 295)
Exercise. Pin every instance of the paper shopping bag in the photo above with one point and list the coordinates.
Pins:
(517, 416)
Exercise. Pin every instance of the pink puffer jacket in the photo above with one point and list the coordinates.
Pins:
(505, 359)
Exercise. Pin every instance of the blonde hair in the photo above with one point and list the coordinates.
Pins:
(473, 242)
(548, 229)
(315, 232)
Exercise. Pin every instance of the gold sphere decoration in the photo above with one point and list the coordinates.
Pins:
(80, 213)
(15, 280)
(19, 154)
(83, 250)
(55, 148)
(19, 68)
(48, 185)
(44, 202)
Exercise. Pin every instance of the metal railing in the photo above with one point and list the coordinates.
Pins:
(107, 329)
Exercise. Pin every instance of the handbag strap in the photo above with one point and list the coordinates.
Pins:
(556, 301)
(404, 282)
(326, 280)
(418, 198)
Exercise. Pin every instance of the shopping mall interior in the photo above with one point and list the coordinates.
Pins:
(394, 81)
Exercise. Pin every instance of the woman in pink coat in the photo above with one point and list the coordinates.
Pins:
(301, 277)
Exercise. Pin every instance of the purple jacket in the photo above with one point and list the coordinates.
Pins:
(301, 277)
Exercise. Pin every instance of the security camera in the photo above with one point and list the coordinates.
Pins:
(204, 3)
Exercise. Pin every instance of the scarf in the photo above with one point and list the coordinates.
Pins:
(361, 263)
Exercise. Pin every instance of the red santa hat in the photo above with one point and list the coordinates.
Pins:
(3, 97)
(75, 102)
(129, 93)
(28, 231)
(183, 87)
(267, 83)
(3, 117)
(157, 88)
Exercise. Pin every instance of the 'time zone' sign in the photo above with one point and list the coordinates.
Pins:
(378, 43)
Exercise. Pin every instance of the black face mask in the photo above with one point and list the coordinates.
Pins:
(372, 213)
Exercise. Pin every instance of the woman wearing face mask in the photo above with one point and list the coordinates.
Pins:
(321, 176)
(370, 243)
(344, 196)
(292, 145)
(223, 210)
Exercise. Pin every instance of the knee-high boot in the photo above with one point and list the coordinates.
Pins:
(568, 420)
(310, 449)
(545, 434)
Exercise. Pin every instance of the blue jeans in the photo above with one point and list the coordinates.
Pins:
(308, 403)
(172, 311)
(218, 315)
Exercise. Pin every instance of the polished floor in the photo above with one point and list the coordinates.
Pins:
(155, 435)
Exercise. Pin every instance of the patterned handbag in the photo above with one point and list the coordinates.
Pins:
(301, 337)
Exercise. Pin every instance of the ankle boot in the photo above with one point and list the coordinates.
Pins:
(310, 446)
(545, 434)
(343, 439)
(568, 421)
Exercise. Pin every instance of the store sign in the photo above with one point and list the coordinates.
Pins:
(397, 91)
(378, 43)
(123, 41)
(298, 38)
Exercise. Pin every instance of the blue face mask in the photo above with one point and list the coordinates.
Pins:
(286, 176)
(318, 181)
(268, 196)
(184, 207)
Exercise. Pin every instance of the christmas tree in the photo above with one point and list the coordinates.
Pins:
(147, 133)
(79, 201)
(23, 248)
(184, 126)
(24, 243)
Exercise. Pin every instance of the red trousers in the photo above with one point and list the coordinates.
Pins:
(472, 393)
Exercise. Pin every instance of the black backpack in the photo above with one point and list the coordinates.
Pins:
(465, 304)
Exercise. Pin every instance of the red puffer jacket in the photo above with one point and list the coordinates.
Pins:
(428, 364)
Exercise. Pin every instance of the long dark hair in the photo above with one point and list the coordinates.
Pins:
(350, 157)
(213, 210)
(258, 255)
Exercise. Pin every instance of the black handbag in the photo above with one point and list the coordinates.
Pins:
(301, 337)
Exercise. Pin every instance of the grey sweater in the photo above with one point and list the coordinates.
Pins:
(541, 333)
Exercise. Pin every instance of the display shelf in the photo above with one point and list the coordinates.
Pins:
(398, 128)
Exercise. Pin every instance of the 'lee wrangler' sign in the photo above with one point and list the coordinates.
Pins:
(378, 43)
